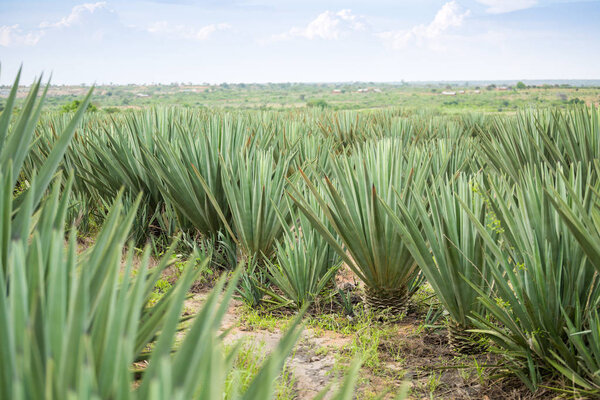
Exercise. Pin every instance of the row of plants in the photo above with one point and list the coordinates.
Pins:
(81, 324)
(496, 214)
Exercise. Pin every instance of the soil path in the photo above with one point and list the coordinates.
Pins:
(312, 370)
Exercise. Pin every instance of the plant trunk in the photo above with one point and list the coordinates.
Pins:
(463, 342)
(392, 303)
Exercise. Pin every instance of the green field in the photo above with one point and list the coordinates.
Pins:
(483, 96)
(176, 244)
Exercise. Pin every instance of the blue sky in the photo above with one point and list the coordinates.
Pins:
(299, 41)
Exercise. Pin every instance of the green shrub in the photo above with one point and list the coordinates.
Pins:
(74, 106)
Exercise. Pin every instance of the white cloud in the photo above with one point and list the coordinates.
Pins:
(503, 6)
(328, 25)
(186, 32)
(13, 35)
(77, 16)
(449, 16)
(95, 20)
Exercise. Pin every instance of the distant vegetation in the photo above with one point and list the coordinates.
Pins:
(339, 96)
(320, 103)
(74, 105)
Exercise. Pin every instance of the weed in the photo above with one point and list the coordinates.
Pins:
(257, 319)
(434, 381)
(246, 366)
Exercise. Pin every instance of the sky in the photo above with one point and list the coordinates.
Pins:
(164, 41)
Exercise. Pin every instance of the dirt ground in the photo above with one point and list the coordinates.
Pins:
(395, 354)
